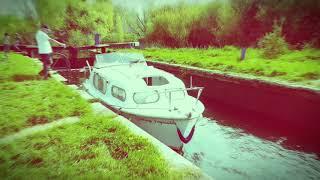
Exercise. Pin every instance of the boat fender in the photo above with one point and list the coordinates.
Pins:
(188, 138)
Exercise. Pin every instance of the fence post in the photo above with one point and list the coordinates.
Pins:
(73, 56)
(96, 38)
(103, 49)
(243, 53)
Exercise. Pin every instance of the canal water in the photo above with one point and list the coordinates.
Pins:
(227, 145)
(225, 152)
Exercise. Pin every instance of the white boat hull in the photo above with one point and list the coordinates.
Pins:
(166, 130)
(155, 100)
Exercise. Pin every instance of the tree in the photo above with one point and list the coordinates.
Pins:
(24, 26)
(119, 29)
(204, 29)
(172, 24)
(302, 19)
(52, 12)
(273, 44)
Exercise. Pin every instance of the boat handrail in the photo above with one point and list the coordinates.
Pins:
(170, 91)
(174, 90)
(119, 64)
(187, 89)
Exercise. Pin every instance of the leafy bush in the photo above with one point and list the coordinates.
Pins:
(25, 27)
(273, 44)
(77, 38)
(171, 25)
(77, 19)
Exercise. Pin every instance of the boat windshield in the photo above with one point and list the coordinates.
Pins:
(146, 97)
(153, 96)
(110, 59)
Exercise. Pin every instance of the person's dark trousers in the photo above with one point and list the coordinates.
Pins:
(6, 50)
(46, 61)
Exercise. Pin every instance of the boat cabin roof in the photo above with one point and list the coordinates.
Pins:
(116, 59)
(135, 74)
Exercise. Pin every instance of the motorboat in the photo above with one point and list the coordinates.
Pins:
(153, 99)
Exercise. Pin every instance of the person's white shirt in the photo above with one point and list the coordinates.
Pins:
(44, 46)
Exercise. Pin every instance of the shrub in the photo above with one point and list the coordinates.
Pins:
(273, 44)
(77, 38)
(171, 24)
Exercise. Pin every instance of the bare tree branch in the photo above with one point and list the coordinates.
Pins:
(141, 23)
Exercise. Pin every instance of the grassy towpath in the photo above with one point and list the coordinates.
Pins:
(94, 147)
(298, 66)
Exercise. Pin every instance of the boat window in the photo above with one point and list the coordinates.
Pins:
(95, 80)
(148, 81)
(146, 97)
(99, 83)
(155, 81)
(118, 93)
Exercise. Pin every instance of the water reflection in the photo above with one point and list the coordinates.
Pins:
(229, 153)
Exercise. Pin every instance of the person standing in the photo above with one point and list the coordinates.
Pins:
(6, 45)
(45, 49)
(17, 43)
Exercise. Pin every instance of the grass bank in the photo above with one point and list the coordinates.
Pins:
(29, 103)
(96, 147)
(18, 68)
(300, 66)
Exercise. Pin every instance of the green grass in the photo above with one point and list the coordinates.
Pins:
(96, 147)
(295, 66)
(27, 102)
(18, 68)
(30, 103)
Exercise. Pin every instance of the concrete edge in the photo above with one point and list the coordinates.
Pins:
(72, 86)
(85, 95)
(57, 76)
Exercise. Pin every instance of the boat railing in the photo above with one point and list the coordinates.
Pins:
(101, 65)
(169, 93)
(199, 89)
